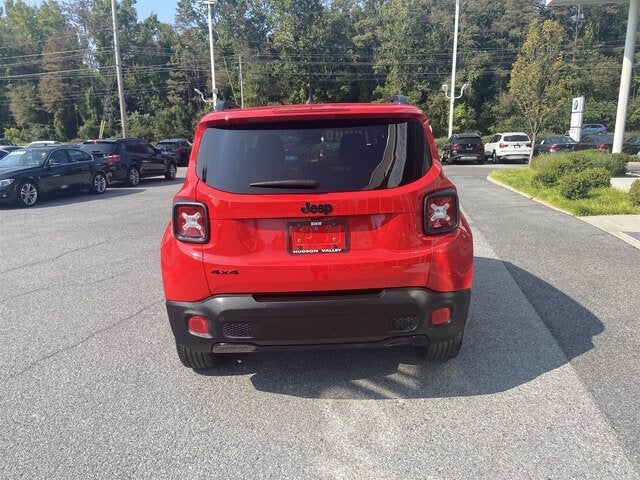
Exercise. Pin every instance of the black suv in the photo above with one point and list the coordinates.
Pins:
(132, 159)
(463, 147)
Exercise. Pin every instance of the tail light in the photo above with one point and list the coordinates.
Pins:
(602, 146)
(528, 144)
(503, 145)
(112, 158)
(175, 150)
(456, 146)
(190, 222)
(553, 148)
(440, 212)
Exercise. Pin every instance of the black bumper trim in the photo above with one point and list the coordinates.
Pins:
(326, 320)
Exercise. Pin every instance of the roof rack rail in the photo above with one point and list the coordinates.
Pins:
(222, 105)
(399, 99)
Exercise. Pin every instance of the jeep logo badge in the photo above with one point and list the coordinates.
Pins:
(325, 208)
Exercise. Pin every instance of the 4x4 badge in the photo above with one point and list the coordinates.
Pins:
(225, 272)
(309, 207)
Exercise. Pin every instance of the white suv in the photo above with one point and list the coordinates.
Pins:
(515, 146)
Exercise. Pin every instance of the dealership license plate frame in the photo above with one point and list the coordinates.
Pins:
(317, 237)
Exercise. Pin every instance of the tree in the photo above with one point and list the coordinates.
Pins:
(537, 84)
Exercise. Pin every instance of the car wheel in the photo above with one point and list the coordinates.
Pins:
(28, 193)
(195, 359)
(133, 176)
(494, 158)
(172, 170)
(99, 183)
(443, 350)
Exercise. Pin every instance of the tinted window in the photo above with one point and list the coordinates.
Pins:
(59, 157)
(135, 148)
(516, 138)
(78, 155)
(468, 140)
(165, 145)
(370, 155)
(494, 139)
(99, 148)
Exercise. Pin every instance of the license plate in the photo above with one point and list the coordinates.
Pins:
(317, 237)
(516, 146)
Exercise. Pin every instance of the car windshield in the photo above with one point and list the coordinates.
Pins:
(24, 158)
(323, 156)
(516, 138)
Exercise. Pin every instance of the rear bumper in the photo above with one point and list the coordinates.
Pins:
(246, 323)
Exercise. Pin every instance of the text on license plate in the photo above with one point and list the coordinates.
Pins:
(317, 237)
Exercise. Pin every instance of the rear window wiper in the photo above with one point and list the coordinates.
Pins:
(311, 184)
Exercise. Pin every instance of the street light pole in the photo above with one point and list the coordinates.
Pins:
(453, 68)
(214, 90)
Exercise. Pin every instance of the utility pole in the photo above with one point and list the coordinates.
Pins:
(116, 45)
(241, 87)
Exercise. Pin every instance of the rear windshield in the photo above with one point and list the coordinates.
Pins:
(516, 138)
(99, 148)
(321, 156)
(468, 140)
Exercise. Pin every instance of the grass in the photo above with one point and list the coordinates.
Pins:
(601, 201)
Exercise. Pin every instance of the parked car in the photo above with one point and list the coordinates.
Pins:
(43, 143)
(27, 173)
(6, 149)
(512, 146)
(590, 128)
(632, 146)
(369, 249)
(132, 159)
(554, 144)
(463, 147)
(178, 148)
(596, 140)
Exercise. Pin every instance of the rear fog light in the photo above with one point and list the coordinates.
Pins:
(440, 316)
(199, 326)
(190, 222)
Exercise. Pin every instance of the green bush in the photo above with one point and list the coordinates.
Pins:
(577, 185)
(561, 164)
(634, 193)
(545, 178)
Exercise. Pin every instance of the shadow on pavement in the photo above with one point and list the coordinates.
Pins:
(506, 344)
(67, 198)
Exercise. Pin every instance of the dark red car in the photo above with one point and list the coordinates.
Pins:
(270, 251)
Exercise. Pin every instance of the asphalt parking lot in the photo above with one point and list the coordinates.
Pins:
(545, 386)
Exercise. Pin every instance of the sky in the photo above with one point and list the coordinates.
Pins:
(165, 9)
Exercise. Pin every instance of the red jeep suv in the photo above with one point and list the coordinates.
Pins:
(273, 245)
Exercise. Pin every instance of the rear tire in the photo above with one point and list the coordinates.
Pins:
(172, 171)
(195, 359)
(494, 157)
(441, 351)
(133, 177)
(99, 183)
